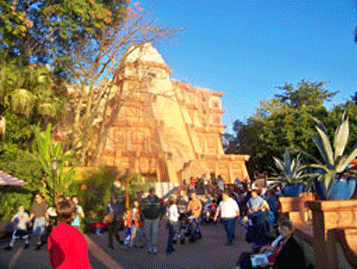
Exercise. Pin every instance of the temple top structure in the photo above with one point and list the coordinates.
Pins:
(145, 53)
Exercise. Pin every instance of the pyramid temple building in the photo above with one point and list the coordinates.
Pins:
(167, 130)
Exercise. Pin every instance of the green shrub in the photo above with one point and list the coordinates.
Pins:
(23, 165)
(98, 187)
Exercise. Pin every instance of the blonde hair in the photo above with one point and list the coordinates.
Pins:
(172, 199)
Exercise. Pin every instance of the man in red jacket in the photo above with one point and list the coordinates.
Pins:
(66, 244)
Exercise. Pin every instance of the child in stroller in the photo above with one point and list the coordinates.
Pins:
(187, 228)
(209, 210)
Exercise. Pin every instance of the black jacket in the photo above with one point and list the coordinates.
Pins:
(152, 207)
(290, 256)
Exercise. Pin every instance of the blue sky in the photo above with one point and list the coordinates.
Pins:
(247, 48)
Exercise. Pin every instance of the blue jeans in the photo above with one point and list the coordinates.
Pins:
(197, 228)
(230, 227)
(170, 241)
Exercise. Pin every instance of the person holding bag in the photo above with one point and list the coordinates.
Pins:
(114, 214)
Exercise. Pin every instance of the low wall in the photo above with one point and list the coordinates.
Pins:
(326, 246)
(343, 243)
(165, 189)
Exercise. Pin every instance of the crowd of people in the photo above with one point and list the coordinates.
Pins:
(40, 221)
(240, 202)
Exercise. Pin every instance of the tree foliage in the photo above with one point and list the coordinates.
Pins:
(46, 31)
(281, 123)
(306, 93)
(47, 151)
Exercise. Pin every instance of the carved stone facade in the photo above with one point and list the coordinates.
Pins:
(167, 129)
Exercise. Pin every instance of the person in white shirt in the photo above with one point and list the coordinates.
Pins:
(21, 219)
(172, 218)
(229, 210)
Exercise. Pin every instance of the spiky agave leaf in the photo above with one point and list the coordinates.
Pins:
(290, 170)
(320, 125)
(341, 136)
(347, 160)
(287, 161)
(279, 163)
(327, 148)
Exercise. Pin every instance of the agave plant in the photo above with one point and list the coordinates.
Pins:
(291, 170)
(335, 161)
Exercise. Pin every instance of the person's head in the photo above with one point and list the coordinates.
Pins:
(286, 228)
(254, 193)
(21, 208)
(136, 204)
(139, 194)
(152, 191)
(66, 211)
(172, 199)
(114, 199)
(75, 200)
(38, 198)
(193, 195)
(60, 199)
(225, 196)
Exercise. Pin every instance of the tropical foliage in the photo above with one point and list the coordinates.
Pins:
(44, 46)
(334, 159)
(100, 183)
(25, 166)
(290, 170)
(47, 152)
(97, 188)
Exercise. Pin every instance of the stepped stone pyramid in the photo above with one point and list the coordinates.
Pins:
(167, 130)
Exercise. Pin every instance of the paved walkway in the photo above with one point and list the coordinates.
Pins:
(209, 252)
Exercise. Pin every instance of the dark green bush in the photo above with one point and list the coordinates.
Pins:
(23, 165)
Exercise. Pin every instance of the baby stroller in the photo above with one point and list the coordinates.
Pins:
(258, 230)
(187, 228)
(208, 212)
